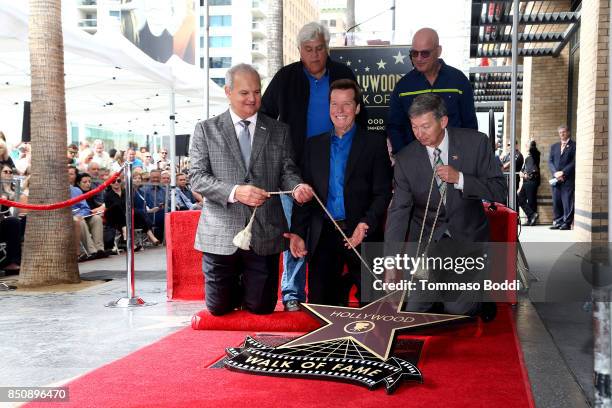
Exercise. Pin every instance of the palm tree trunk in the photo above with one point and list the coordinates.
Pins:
(49, 255)
(275, 36)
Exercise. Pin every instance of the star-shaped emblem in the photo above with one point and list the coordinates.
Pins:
(367, 69)
(348, 63)
(372, 326)
(399, 58)
(381, 64)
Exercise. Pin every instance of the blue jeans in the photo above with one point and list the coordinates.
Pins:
(293, 282)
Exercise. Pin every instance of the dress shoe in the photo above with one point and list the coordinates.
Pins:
(292, 306)
(488, 311)
(533, 219)
(565, 227)
(101, 254)
(554, 226)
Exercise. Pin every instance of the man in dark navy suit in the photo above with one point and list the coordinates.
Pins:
(562, 163)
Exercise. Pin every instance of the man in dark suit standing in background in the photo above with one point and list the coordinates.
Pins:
(464, 166)
(237, 158)
(350, 171)
(298, 95)
(562, 163)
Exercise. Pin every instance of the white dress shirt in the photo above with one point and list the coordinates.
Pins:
(443, 146)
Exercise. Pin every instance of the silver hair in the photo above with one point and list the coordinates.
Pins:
(312, 31)
(426, 103)
(563, 127)
(229, 75)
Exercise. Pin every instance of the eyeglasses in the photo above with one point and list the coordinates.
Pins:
(116, 181)
(424, 53)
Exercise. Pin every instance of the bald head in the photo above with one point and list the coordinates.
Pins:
(426, 50)
(427, 36)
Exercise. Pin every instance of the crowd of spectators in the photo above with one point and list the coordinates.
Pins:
(99, 221)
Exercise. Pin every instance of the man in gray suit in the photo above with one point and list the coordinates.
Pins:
(465, 166)
(237, 158)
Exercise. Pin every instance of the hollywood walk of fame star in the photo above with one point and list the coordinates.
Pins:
(384, 315)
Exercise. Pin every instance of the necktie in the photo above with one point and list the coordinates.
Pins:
(244, 139)
(563, 146)
(438, 162)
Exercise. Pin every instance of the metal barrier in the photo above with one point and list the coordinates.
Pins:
(131, 300)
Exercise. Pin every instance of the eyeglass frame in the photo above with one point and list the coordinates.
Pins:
(423, 53)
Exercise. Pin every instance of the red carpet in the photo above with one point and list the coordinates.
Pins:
(481, 370)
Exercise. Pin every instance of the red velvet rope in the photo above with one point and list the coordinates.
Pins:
(67, 203)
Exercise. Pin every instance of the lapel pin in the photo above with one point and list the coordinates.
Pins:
(455, 157)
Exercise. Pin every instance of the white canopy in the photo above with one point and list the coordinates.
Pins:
(109, 81)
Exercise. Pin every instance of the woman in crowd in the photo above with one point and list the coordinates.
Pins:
(10, 227)
(528, 194)
(114, 200)
(118, 161)
(5, 157)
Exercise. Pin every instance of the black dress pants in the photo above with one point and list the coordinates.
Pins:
(326, 283)
(240, 279)
(528, 197)
(10, 228)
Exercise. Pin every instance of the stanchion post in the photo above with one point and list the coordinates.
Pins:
(131, 300)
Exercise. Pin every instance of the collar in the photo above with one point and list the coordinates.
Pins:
(443, 146)
(236, 118)
(348, 135)
(312, 77)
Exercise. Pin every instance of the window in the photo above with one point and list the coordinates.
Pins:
(219, 81)
(220, 42)
(201, 42)
(332, 23)
(201, 21)
(220, 21)
(115, 13)
(220, 62)
(572, 99)
(219, 2)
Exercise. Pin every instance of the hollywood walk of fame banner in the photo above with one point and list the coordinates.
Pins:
(378, 69)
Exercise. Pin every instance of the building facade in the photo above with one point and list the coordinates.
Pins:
(237, 34)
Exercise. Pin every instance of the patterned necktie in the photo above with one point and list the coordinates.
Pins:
(437, 159)
(244, 139)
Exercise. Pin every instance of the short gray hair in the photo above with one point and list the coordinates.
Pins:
(242, 68)
(312, 31)
(563, 127)
(426, 103)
